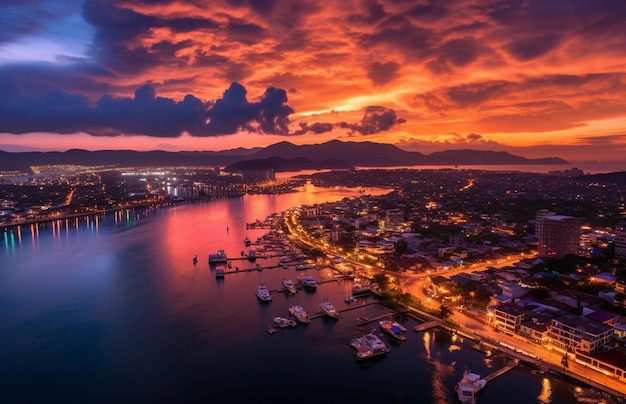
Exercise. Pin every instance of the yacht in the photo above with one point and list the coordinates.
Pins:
(393, 328)
(283, 322)
(299, 314)
(304, 266)
(288, 286)
(219, 256)
(329, 310)
(308, 282)
(369, 346)
(263, 294)
(219, 272)
(468, 387)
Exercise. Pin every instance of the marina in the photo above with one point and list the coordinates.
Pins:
(161, 316)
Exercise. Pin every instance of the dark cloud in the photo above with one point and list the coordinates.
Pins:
(375, 119)
(532, 47)
(316, 128)
(382, 73)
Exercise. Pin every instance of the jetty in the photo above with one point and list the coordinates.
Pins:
(427, 325)
(502, 371)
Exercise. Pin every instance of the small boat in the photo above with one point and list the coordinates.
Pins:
(259, 267)
(393, 328)
(195, 259)
(299, 314)
(263, 294)
(271, 329)
(369, 346)
(308, 282)
(246, 241)
(329, 310)
(469, 386)
(252, 255)
(283, 322)
(288, 286)
(304, 267)
(219, 256)
(349, 299)
(230, 264)
(219, 272)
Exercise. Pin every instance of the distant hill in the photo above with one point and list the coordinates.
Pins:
(618, 178)
(285, 156)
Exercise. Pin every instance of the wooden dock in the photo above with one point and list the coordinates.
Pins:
(500, 372)
(427, 326)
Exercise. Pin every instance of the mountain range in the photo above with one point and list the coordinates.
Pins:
(282, 156)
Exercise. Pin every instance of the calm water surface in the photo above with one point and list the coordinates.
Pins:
(112, 310)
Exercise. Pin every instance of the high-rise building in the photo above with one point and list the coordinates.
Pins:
(620, 240)
(557, 235)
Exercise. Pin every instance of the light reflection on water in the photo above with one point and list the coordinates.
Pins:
(112, 309)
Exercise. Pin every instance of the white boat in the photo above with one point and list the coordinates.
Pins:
(369, 346)
(393, 328)
(219, 256)
(308, 282)
(329, 310)
(469, 386)
(283, 322)
(288, 286)
(219, 272)
(304, 266)
(299, 314)
(263, 294)
(349, 299)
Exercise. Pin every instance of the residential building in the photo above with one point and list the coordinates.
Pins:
(620, 240)
(557, 235)
(578, 334)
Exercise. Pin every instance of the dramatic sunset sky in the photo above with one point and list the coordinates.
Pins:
(536, 78)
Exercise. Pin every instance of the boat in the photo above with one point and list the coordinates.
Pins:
(288, 286)
(349, 299)
(263, 294)
(271, 329)
(360, 289)
(258, 267)
(195, 259)
(252, 255)
(219, 256)
(283, 322)
(469, 386)
(299, 314)
(230, 264)
(304, 267)
(246, 241)
(219, 272)
(329, 310)
(393, 328)
(369, 346)
(308, 282)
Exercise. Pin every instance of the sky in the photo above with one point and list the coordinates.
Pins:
(537, 78)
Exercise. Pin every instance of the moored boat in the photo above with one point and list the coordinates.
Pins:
(349, 299)
(469, 386)
(304, 267)
(299, 314)
(393, 328)
(308, 282)
(271, 329)
(263, 294)
(329, 310)
(369, 346)
(283, 322)
(219, 256)
(289, 287)
(219, 272)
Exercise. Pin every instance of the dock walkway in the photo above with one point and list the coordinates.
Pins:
(500, 372)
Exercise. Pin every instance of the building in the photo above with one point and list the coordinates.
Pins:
(578, 334)
(620, 240)
(507, 318)
(557, 235)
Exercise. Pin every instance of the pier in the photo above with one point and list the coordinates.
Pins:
(427, 326)
(502, 371)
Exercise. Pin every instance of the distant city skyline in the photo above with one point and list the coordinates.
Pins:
(536, 78)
